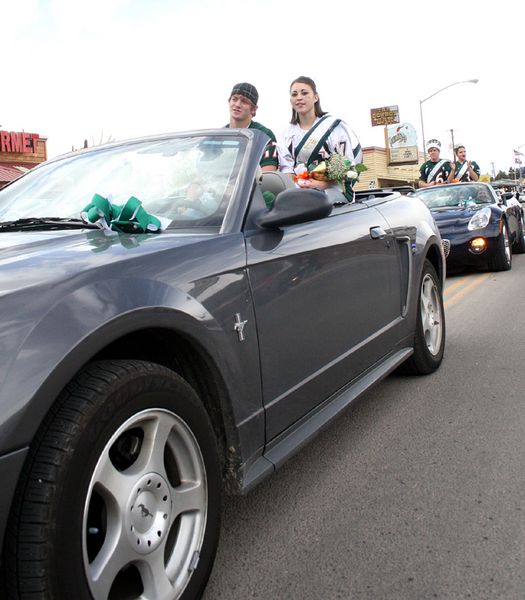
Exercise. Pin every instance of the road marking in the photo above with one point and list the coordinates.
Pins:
(451, 300)
(458, 283)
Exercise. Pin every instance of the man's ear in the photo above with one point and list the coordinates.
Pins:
(254, 110)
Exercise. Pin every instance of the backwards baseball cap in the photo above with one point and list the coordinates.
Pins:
(433, 143)
(247, 90)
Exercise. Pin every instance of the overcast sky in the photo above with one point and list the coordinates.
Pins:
(99, 69)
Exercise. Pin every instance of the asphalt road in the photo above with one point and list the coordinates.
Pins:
(416, 492)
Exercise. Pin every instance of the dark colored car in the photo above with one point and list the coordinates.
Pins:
(144, 373)
(478, 228)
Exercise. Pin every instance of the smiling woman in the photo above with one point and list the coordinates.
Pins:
(312, 137)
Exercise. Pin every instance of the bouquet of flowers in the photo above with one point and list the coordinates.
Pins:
(335, 168)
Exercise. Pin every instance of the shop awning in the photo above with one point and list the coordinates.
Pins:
(504, 183)
(10, 171)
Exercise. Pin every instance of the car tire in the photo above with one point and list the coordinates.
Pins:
(429, 339)
(502, 259)
(121, 492)
(519, 244)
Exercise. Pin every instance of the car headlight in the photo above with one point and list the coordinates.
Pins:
(480, 219)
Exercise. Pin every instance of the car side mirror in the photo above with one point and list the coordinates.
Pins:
(294, 206)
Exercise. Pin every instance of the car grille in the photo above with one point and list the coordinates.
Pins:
(446, 247)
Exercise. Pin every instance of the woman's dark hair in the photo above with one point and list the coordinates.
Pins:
(319, 112)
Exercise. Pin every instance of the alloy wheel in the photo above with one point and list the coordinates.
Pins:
(431, 316)
(145, 514)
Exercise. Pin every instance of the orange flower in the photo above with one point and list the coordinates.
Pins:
(303, 175)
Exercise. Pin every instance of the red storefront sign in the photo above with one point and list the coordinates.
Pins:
(18, 142)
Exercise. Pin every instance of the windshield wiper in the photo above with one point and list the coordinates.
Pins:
(45, 223)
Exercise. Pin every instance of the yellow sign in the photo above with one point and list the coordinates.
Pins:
(407, 155)
(387, 115)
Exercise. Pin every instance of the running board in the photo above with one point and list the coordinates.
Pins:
(292, 440)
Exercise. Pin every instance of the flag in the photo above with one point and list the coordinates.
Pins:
(517, 153)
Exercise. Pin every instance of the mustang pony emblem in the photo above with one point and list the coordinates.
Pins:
(239, 326)
(144, 511)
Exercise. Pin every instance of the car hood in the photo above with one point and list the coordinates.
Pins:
(28, 257)
(454, 216)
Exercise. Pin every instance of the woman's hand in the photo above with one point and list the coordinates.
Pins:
(314, 183)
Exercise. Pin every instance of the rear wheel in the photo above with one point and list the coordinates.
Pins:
(502, 259)
(121, 496)
(429, 339)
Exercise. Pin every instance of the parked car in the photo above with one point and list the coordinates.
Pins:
(479, 228)
(147, 369)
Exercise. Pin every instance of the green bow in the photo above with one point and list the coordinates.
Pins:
(129, 218)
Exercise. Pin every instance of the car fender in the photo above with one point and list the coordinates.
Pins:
(90, 318)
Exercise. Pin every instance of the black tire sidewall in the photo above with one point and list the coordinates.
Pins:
(139, 389)
(499, 262)
(423, 359)
(520, 241)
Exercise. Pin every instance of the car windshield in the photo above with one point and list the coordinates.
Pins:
(455, 196)
(187, 181)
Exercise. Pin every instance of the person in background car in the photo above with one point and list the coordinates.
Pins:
(434, 171)
(484, 196)
(463, 169)
(243, 106)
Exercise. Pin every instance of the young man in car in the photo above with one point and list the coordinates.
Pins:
(243, 106)
(434, 171)
(463, 169)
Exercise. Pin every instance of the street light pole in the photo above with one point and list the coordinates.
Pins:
(431, 96)
(422, 129)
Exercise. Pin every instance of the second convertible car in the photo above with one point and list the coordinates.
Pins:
(478, 228)
(165, 337)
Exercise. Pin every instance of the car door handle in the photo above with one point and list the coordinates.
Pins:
(377, 233)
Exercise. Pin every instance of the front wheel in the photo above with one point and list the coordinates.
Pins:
(121, 497)
(429, 338)
(502, 259)
(519, 244)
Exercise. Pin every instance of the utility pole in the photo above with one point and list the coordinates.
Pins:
(493, 171)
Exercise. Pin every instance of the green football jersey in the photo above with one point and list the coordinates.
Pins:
(270, 158)
(440, 177)
(466, 175)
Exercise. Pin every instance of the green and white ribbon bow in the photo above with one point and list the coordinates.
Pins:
(129, 218)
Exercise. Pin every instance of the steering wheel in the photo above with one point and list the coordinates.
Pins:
(188, 209)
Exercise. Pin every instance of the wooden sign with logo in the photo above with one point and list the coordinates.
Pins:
(387, 115)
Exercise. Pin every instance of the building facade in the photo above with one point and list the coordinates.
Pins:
(19, 152)
(381, 174)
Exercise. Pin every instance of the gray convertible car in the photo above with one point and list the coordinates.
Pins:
(167, 338)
